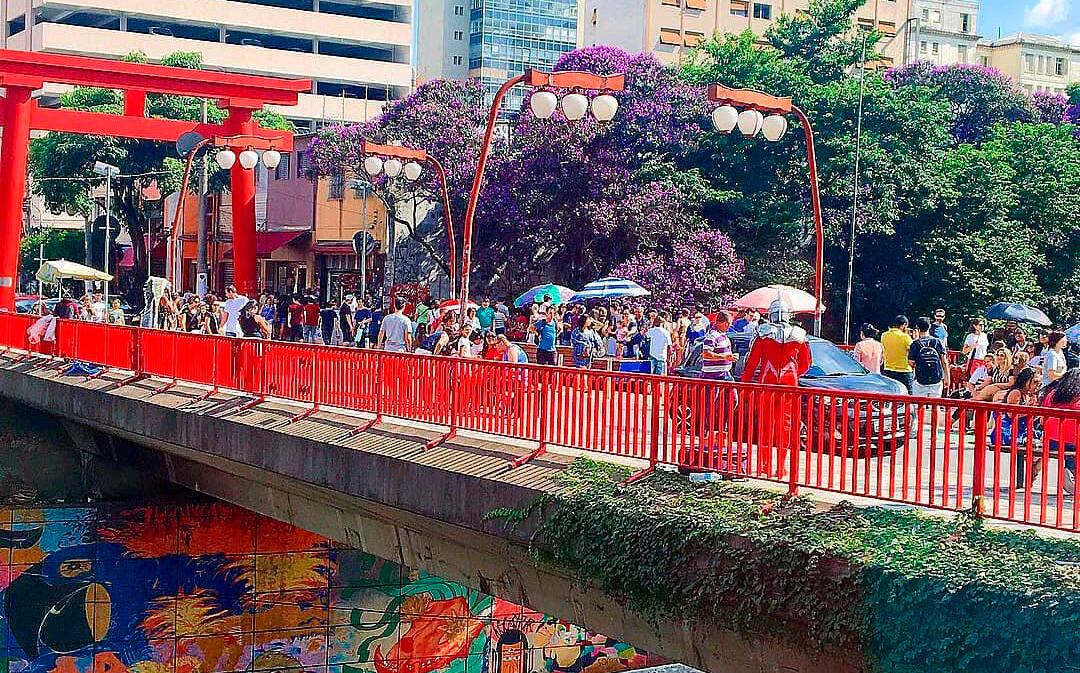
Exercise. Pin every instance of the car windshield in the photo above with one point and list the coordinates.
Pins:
(831, 361)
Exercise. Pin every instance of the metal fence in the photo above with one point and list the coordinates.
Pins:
(939, 453)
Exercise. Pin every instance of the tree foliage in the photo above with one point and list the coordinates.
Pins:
(68, 155)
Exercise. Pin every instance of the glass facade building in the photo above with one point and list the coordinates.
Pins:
(506, 37)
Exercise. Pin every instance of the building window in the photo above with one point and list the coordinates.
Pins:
(887, 28)
(935, 48)
(670, 36)
(458, 35)
(1029, 62)
(922, 47)
(457, 60)
(962, 53)
(926, 15)
(16, 25)
(282, 170)
(459, 10)
(739, 8)
(693, 39)
(762, 11)
(1060, 69)
(965, 23)
(337, 185)
(303, 160)
(697, 4)
(984, 61)
(673, 3)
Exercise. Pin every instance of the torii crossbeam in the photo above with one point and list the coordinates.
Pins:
(22, 72)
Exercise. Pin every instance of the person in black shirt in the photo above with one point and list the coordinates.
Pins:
(327, 318)
(345, 319)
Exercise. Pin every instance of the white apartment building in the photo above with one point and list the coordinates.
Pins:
(944, 31)
(357, 52)
(1038, 62)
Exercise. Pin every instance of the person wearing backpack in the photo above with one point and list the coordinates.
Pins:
(930, 362)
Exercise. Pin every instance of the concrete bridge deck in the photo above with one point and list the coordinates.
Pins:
(378, 490)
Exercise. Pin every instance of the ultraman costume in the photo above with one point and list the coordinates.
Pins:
(779, 355)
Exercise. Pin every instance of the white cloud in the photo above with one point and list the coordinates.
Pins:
(1046, 13)
(1075, 38)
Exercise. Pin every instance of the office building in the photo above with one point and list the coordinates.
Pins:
(357, 52)
(671, 28)
(944, 32)
(1038, 62)
(493, 40)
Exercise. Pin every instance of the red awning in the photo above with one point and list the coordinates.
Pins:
(334, 248)
(267, 242)
(127, 260)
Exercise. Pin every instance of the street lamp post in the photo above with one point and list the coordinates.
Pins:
(386, 160)
(109, 171)
(575, 106)
(752, 121)
(226, 159)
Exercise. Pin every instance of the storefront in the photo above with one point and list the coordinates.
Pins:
(340, 273)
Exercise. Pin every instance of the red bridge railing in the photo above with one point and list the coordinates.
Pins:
(943, 454)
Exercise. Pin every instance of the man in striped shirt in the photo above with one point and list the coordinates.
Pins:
(717, 358)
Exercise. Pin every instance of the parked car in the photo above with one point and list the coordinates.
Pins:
(871, 426)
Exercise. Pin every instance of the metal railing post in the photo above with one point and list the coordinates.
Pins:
(795, 451)
(655, 395)
(978, 469)
(541, 416)
(454, 410)
(378, 400)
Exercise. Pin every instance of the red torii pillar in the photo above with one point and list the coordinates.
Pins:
(14, 152)
(242, 190)
(23, 72)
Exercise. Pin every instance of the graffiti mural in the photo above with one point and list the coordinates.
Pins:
(200, 588)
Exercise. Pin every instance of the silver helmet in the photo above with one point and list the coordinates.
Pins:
(779, 311)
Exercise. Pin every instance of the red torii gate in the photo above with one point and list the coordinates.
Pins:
(22, 72)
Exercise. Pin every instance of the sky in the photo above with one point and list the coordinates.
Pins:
(1048, 17)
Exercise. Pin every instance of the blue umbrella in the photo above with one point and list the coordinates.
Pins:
(559, 295)
(1073, 333)
(1020, 313)
(610, 288)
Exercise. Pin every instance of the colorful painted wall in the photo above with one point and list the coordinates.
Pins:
(210, 587)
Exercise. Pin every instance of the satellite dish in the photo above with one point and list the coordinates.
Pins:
(187, 142)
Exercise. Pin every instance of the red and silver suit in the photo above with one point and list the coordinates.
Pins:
(779, 355)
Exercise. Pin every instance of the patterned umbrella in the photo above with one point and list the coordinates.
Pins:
(762, 298)
(610, 288)
(559, 294)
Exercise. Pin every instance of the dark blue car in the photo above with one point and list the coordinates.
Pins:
(878, 426)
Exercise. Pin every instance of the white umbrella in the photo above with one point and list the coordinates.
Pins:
(610, 288)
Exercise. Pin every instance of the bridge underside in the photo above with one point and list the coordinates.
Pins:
(377, 490)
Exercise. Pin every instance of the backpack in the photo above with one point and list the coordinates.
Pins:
(927, 361)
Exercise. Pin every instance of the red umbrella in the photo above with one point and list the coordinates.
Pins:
(763, 297)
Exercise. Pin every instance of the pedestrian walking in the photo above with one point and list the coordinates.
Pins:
(895, 344)
(929, 361)
(395, 331)
(659, 343)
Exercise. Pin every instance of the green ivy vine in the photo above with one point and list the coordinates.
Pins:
(914, 593)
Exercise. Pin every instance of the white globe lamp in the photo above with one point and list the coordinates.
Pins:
(373, 165)
(392, 168)
(542, 104)
(412, 171)
(225, 159)
(271, 159)
(774, 127)
(248, 159)
(604, 107)
(724, 118)
(750, 122)
(574, 106)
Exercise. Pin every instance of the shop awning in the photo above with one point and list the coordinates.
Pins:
(267, 242)
(334, 248)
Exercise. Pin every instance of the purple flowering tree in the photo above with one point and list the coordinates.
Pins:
(980, 96)
(576, 199)
(1050, 106)
(441, 117)
(702, 269)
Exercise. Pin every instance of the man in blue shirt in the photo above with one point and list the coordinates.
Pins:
(546, 330)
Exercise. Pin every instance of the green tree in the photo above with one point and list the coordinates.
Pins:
(73, 155)
(59, 244)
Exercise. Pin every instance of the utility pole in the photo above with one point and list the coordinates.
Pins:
(201, 275)
(855, 195)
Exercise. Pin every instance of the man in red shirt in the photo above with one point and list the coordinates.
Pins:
(294, 327)
(311, 319)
